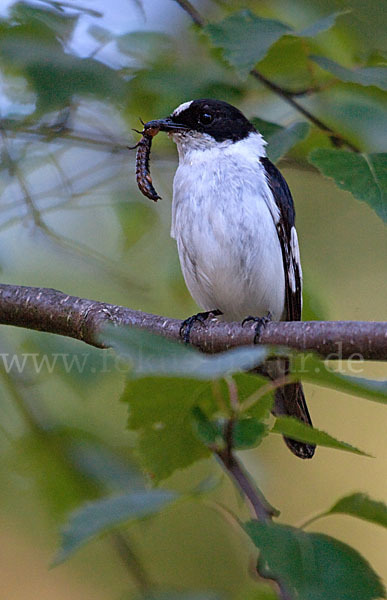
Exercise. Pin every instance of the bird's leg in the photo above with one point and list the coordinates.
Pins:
(186, 326)
(260, 324)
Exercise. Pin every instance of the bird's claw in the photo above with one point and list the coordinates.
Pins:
(187, 324)
(260, 324)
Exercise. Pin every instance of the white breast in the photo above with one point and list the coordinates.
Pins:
(224, 221)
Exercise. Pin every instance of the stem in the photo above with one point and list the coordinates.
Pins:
(312, 520)
(262, 509)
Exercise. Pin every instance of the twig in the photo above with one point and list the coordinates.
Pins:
(131, 561)
(51, 135)
(262, 509)
(76, 248)
(336, 138)
(192, 12)
(52, 311)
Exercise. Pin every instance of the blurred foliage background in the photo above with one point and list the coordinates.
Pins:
(75, 78)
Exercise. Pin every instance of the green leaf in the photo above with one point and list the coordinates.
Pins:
(99, 464)
(254, 401)
(245, 38)
(321, 25)
(282, 141)
(310, 368)
(160, 410)
(266, 128)
(208, 431)
(296, 430)
(60, 22)
(30, 47)
(144, 45)
(52, 472)
(248, 384)
(98, 517)
(150, 354)
(260, 408)
(364, 175)
(248, 433)
(313, 566)
(366, 76)
(361, 506)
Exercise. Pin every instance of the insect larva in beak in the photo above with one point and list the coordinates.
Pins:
(143, 176)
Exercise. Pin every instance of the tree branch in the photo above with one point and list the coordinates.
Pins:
(52, 311)
(337, 139)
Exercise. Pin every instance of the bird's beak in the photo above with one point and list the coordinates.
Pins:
(165, 125)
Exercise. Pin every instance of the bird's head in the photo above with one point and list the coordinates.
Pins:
(204, 124)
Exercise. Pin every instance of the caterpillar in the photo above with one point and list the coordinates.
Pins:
(143, 176)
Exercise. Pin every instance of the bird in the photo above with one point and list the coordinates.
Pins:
(233, 220)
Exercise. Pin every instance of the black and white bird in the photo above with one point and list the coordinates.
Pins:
(233, 221)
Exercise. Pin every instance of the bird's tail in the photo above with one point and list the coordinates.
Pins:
(289, 401)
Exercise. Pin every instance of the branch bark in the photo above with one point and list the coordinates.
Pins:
(53, 311)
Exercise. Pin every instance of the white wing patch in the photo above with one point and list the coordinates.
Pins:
(181, 108)
(295, 256)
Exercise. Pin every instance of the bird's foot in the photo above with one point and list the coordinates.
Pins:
(186, 326)
(260, 324)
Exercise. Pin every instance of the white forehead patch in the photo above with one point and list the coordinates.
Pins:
(181, 108)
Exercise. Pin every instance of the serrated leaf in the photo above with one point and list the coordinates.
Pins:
(150, 354)
(321, 25)
(310, 368)
(160, 410)
(98, 517)
(364, 175)
(282, 141)
(248, 433)
(313, 566)
(361, 506)
(292, 428)
(245, 38)
(366, 76)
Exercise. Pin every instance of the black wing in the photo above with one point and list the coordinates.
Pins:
(289, 399)
(288, 240)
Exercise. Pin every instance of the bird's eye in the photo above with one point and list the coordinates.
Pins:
(205, 118)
